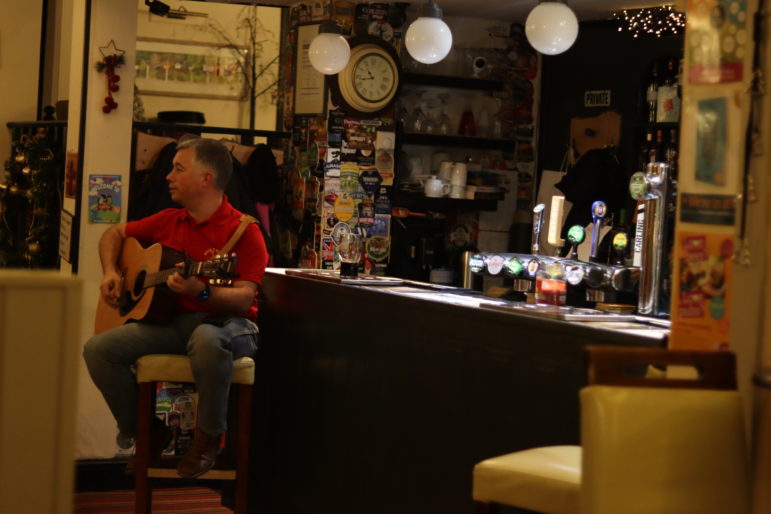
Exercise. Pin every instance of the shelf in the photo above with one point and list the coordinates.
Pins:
(453, 82)
(482, 143)
(420, 202)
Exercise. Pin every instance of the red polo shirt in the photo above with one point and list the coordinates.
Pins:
(176, 229)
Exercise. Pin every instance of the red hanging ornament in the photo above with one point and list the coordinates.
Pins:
(112, 59)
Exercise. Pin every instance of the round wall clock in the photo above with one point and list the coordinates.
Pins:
(369, 83)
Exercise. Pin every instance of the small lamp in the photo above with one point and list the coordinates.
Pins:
(551, 27)
(329, 51)
(428, 39)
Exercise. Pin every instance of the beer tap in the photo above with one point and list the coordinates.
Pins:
(535, 246)
(555, 222)
(576, 236)
(650, 189)
(599, 210)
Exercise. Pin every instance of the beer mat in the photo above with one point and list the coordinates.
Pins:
(334, 276)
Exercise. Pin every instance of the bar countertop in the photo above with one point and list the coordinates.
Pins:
(380, 399)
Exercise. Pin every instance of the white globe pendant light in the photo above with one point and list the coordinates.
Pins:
(329, 51)
(551, 27)
(428, 39)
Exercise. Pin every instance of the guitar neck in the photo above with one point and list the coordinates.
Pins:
(159, 277)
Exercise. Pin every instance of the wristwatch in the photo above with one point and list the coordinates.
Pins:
(205, 294)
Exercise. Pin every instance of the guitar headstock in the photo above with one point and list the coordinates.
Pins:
(220, 270)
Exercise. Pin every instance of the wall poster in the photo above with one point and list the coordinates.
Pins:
(718, 40)
(104, 198)
(701, 302)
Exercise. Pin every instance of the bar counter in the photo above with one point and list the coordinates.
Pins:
(380, 399)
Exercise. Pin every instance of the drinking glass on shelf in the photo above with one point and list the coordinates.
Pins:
(417, 119)
(431, 125)
(349, 249)
(443, 122)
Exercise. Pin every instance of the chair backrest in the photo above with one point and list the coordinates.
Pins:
(661, 446)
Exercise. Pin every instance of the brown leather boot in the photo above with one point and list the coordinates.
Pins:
(200, 456)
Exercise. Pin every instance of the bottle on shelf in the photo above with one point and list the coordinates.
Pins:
(645, 150)
(651, 95)
(667, 95)
(670, 153)
(467, 126)
(656, 151)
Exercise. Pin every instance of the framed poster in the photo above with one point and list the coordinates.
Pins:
(191, 69)
(310, 91)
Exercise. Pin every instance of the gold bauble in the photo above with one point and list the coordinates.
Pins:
(14, 190)
(21, 158)
(33, 247)
(26, 170)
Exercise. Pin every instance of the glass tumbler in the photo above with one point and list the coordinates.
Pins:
(349, 249)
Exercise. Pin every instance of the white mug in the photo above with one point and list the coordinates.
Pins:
(445, 170)
(457, 191)
(435, 188)
(458, 174)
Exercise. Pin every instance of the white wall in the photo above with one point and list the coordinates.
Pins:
(20, 27)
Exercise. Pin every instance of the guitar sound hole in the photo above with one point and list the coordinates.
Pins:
(139, 284)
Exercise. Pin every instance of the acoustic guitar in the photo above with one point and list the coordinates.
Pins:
(143, 292)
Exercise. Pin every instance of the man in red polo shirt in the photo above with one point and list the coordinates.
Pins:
(212, 324)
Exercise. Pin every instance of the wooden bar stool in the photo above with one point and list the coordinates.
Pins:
(176, 368)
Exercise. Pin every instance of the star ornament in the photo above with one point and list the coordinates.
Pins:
(111, 49)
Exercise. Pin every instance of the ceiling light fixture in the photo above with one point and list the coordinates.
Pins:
(329, 51)
(428, 39)
(551, 27)
(656, 21)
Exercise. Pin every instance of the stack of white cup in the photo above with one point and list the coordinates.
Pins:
(458, 175)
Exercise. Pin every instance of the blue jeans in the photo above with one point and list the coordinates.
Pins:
(211, 347)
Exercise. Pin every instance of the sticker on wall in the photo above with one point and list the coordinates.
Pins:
(377, 248)
(297, 185)
(366, 213)
(701, 294)
(339, 229)
(380, 227)
(349, 177)
(332, 166)
(370, 180)
(344, 207)
(104, 198)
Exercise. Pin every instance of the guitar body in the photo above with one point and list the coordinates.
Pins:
(152, 304)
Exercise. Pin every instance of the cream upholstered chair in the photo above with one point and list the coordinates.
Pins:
(648, 445)
(176, 368)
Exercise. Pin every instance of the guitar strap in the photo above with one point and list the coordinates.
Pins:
(246, 220)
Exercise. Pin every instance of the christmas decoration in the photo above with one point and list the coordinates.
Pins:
(30, 202)
(112, 57)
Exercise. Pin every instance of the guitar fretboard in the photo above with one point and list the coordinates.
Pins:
(159, 277)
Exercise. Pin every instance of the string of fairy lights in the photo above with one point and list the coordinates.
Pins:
(656, 21)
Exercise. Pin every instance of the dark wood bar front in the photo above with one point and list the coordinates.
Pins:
(370, 401)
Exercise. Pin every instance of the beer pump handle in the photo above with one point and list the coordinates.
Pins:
(535, 246)
(599, 210)
(555, 222)
(576, 236)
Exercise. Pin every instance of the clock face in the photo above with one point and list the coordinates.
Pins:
(369, 83)
(373, 77)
